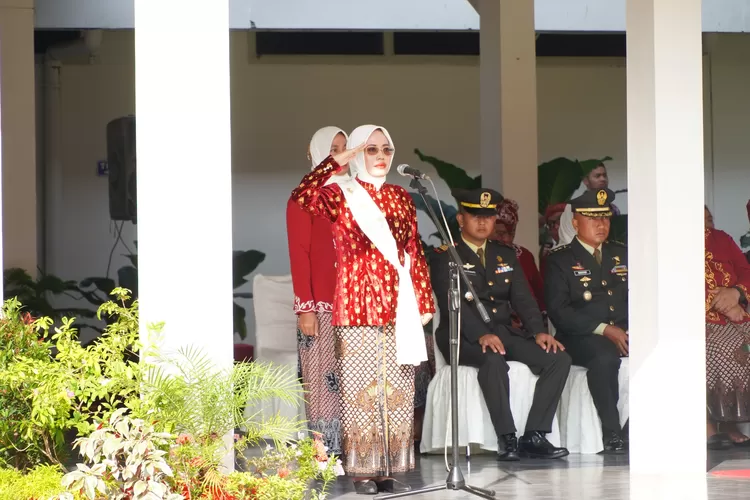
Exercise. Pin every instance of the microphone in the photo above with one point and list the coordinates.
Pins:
(408, 171)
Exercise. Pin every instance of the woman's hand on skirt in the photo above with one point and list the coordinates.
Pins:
(308, 324)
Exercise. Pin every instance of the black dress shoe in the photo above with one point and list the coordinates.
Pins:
(720, 441)
(507, 449)
(391, 485)
(534, 444)
(367, 487)
(613, 444)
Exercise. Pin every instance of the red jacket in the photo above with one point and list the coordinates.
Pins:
(367, 285)
(726, 267)
(312, 258)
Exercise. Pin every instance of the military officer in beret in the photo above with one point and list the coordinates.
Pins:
(586, 290)
(501, 286)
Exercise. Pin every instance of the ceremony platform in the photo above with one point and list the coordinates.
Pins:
(580, 477)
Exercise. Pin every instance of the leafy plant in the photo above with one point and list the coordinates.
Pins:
(745, 240)
(40, 482)
(97, 290)
(80, 386)
(189, 394)
(21, 337)
(558, 179)
(126, 461)
(287, 472)
(34, 294)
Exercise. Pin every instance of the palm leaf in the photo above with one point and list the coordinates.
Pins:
(454, 176)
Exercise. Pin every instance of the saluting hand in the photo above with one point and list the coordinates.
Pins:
(345, 157)
(492, 342)
(548, 342)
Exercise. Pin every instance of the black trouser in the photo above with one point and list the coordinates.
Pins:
(552, 369)
(602, 359)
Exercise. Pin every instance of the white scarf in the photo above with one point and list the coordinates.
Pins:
(320, 149)
(410, 344)
(566, 232)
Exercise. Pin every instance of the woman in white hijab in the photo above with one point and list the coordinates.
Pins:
(313, 261)
(566, 232)
(383, 296)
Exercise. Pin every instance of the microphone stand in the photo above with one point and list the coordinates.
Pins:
(455, 479)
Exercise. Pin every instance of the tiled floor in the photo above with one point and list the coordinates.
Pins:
(579, 477)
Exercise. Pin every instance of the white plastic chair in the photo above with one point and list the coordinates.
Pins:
(475, 426)
(276, 336)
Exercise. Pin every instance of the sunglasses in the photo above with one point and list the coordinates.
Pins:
(373, 150)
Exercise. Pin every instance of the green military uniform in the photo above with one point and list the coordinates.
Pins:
(586, 289)
(501, 286)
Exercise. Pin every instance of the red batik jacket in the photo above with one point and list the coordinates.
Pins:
(726, 267)
(366, 283)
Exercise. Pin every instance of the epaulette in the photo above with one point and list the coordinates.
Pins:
(618, 243)
(557, 249)
(441, 249)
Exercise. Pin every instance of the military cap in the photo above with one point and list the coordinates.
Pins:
(478, 201)
(594, 203)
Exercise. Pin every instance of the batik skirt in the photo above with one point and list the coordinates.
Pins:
(377, 402)
(728, 372)
(321, 382)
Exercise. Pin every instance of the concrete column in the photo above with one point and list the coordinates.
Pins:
(508, 112)
(18, 126)
(183, 141)
(665, 167)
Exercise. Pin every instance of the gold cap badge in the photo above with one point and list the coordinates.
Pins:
(601, 197)
(484, 199)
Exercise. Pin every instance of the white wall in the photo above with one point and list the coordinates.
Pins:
(430, 103)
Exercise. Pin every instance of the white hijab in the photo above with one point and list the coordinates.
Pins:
(357, 165)
(320, 149)
(566, 231)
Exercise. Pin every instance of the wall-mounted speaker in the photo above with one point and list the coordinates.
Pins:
(121, 161)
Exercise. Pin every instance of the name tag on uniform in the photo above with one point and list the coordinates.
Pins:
(581, 272)
(503, 268)
(620, 270)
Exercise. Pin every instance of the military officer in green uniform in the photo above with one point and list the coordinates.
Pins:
(501, 286)
(586, 291)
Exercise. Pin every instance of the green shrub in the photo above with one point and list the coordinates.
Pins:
(39, 483)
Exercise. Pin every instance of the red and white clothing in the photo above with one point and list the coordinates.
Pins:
(727, 342)
(726, 267)
(313, 260)
(366, 285)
